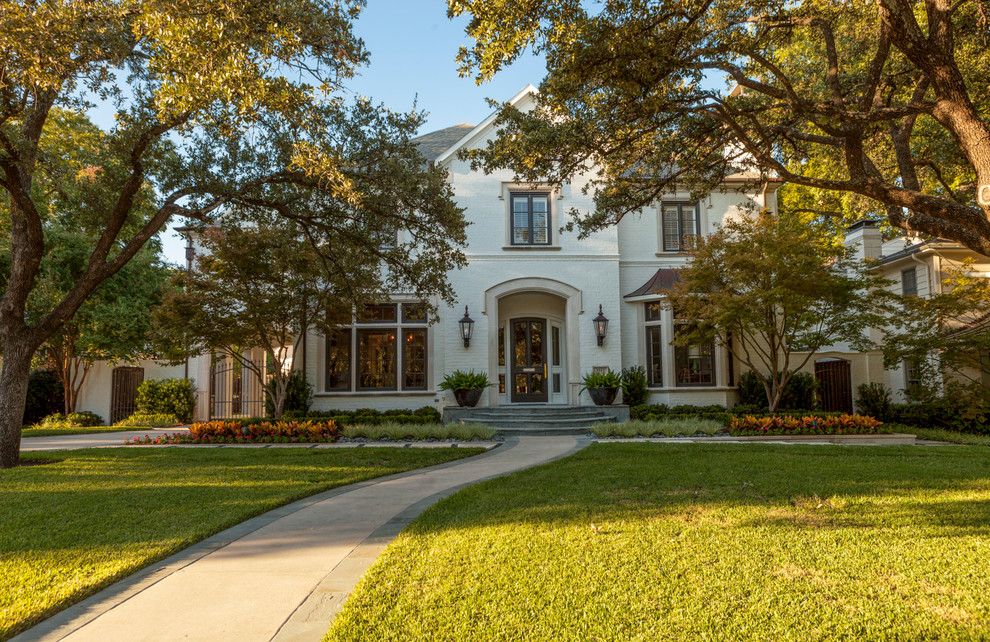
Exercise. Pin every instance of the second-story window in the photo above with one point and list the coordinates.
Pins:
(680, 226)
(909, 282)
(530, 219)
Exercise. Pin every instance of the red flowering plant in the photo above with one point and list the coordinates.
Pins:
(808, 425)
(246, 432)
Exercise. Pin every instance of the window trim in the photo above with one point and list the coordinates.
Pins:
(648, 325)
(680, 205)
(530, 195)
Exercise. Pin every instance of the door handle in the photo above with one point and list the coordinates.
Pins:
(544, 370)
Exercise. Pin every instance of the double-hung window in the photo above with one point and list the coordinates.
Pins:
(680, 226)
(531, 221)
(385, 348)
(654, 344)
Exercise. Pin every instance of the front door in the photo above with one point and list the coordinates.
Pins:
(529, 360)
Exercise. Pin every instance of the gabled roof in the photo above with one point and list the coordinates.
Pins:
(432, 144)
(664, 279)
(482, 126)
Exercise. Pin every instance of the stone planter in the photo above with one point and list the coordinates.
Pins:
(603, 396)
(468, 397)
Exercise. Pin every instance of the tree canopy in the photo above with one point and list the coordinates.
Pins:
(219, 107)
(861, 106)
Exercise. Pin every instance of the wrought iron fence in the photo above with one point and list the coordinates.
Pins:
(235, 390)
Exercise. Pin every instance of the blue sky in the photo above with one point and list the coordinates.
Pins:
(412, 45)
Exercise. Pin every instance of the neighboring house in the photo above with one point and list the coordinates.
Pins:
(533, 294)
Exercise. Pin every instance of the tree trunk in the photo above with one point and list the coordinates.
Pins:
(14, 374)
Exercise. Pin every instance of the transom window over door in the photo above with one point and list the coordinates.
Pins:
(680, 226)
(530, 219)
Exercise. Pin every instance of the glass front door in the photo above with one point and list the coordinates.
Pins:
(529, 360)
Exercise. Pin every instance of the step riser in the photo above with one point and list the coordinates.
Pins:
(527, 426)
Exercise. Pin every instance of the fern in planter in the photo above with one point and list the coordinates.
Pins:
(466, 386)
(603, 387)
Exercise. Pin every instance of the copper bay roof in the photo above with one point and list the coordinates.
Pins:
(663, 280)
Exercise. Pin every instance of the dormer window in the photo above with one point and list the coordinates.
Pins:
(680, 226)
(530, 218)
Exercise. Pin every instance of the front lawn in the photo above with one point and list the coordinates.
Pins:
(71, 527)
(697, 542)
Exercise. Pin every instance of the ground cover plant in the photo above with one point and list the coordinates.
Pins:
(70, 527)
(398, 431)
(690, 542)
(149, 419)
(671, 427)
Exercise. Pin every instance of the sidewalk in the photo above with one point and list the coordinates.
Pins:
(282, 575)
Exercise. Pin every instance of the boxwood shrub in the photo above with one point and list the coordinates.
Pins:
(372, 417)
(175, 397)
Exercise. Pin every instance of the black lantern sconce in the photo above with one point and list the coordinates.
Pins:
(467, 327)
(601, 326)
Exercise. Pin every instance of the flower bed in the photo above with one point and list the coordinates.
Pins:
(808, 425)
(250, 432)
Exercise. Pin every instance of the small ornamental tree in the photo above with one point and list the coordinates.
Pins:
(775, 290)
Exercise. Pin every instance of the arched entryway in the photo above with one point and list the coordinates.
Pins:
(533, 350)
(834, 385)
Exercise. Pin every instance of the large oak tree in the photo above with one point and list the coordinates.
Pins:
(864, 104)
(219, 105)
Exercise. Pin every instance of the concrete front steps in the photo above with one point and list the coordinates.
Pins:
(538, 420)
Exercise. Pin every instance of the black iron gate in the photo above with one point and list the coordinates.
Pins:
(124, 382)
(834, 385)
(235, 390)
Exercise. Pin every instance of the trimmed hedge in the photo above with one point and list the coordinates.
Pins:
(952, 414)
(58, 421)
(715, 412)
(167, 396)
(149, 419)
(371, 417)
(810, 425)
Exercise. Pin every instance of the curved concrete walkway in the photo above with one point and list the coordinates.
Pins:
(282, 575)
(91, 440)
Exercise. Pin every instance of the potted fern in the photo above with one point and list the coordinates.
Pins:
(603, 387)
(466, 386)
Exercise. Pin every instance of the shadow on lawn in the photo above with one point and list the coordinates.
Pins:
(797, 487)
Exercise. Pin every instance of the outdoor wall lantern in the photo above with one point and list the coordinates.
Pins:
(601, 325)
(467, 327)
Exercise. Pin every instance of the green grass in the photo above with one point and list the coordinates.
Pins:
(940, 434)
(72, 527)
(462, 432)
(78, 430)
(682, 427)
(696, 542)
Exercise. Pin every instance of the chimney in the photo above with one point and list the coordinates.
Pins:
(864, 239)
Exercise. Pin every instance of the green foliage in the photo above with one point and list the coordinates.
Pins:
(298, 394)
(798, 393)
(393, 431)
(602, 380)
(750, 389)
(58, 421)
(781, 424)
(371, 417)
(838, 100)
(176, 397)
(44, 396)
(962, 408)
(634, 386)
(873, 399)
(149, 419)
(461, 380)
(662, 412)
(671, 427)
(769, 279)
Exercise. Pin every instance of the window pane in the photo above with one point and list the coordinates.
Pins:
(414, 313)
(909, 282)
(540, 229)
(531, 219)
(555, 342)
(695, 365)
(501, 345)
(376, 359)
(689, 226)
(653, 311)
(414, 360)
(338, 373)
(671, 229)
(378, 313)
(654, 356)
